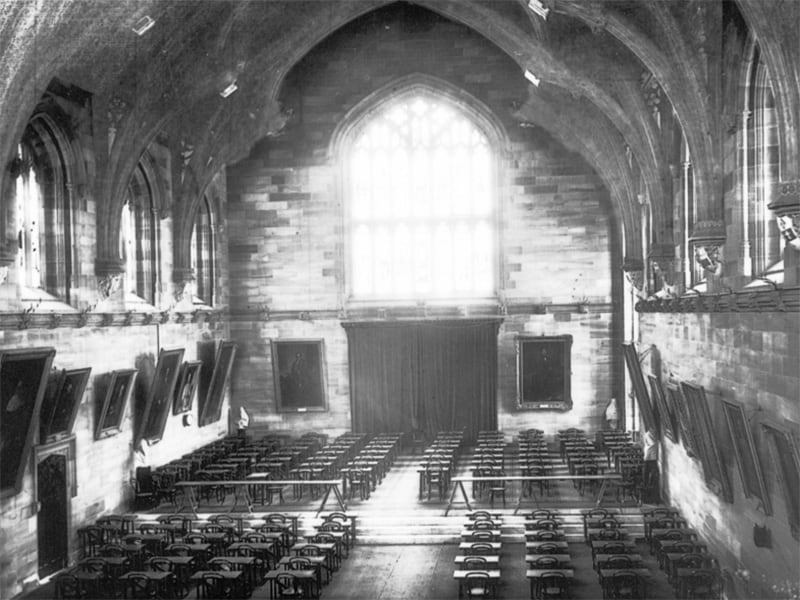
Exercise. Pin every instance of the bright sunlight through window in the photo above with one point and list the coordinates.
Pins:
(421, 205)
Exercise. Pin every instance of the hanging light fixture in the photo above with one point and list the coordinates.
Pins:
(143, 25)
(539, 8)
(532, 78)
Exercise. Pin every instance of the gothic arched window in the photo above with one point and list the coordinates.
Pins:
(421, 206)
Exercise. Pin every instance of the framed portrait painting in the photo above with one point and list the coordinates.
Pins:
(298, 368)
(117, 391)
(61, 402)
(715, 474)
(23, 380)
(666, 419)
(186, 387)
(744, 449)
(212, 407)
(543, 372)
(160, 395)
(639, 388)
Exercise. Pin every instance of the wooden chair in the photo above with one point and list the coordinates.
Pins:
(214, 585)
(478, 585)
(69, 587)
(552, 584)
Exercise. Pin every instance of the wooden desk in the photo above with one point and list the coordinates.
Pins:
(534, 545)
(600, 559)
(492, 560)
(563, 559)
(242, 492)
(466, 546)
(459, 485)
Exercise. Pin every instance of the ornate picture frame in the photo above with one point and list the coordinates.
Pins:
(744, 448)
(212, 406)
(160, 395)
(715, 474)
(544, 372)
(298, 367)
(23, 381)
(666, 419)
(117, 392)
(186, 387)
(60, 404)
(639, 388)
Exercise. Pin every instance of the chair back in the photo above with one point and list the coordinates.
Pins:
(703, 583)
(141, 586)
(288, 586)
(618, 561)
(553, 584)
(94, 565)
(68, 587)
(474, 563)
(609, 523)
(543, 535)
(481, 515)
(254, 537)
(549, 524)
(545, 561)
(481, 549)
(690, 561)
(311, 550)
(214, 585)
(298, 563)
(195, 538)
(160, 563)
(112, 550)
(547, 549)
(180, 549)
(220, 564)
(625, 584)
(476, 584)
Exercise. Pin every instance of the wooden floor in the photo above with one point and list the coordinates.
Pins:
(406, 546)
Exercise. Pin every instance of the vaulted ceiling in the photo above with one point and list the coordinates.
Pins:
(602, 65)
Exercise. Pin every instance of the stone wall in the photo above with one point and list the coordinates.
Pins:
(104, 466)
(287, 230)
(752, 359)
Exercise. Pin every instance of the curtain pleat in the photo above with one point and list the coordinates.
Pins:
(423, 375)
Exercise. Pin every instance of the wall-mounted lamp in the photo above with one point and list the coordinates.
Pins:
(788, 226)
(532, 78)
(539, 8)
(232, 87)
(143, 25)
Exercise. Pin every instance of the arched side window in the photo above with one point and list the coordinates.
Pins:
(44, 217)
(762, 154)
(202, 253)
(421, 208)
(139, 238)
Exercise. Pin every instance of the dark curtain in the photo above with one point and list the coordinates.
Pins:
(428, 376)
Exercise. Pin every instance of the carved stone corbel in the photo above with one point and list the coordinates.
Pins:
(707, 240)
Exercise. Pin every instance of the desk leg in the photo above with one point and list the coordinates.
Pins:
(601, 492)
(240, 492)
(325, 497)
(459, 486)
(189, 501)
(339, 498)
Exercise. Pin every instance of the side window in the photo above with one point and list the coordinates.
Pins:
(43, 211)
(139, 238)
(762, 171)
(202, 253)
